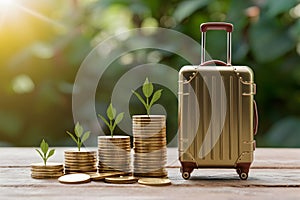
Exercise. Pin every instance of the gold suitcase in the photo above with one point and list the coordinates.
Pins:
(217, 112)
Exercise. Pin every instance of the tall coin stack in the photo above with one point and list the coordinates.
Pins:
(51, 170)
(150, 152)
(80, 161)
(114, 154)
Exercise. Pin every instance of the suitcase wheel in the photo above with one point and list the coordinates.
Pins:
(243, 175)
(186, 175)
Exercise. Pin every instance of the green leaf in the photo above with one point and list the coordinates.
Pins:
(111, 112)
(44, 147)
(119, 118)
(147, 88)
(187, 8)
(140, 98)
(155, 97)
(85, 136)
(51, 152)
(72, 136)
(269, 40)
(290, 126)
(280, 6)
(40, 153)
(104, 120)
(78, 130)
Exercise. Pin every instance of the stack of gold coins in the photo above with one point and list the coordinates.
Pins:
(80, 161)
(50, 170)
(114, 154)
(150, 151)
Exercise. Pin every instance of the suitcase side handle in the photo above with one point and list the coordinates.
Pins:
(216, 26)
(255, 120)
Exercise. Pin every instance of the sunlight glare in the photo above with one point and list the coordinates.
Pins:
(6, 5)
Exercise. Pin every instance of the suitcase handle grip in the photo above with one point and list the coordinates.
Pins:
(216, 26)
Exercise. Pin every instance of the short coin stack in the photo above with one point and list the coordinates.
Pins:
(114, 154)
(80, 161)
(150, 152)
(50, 170)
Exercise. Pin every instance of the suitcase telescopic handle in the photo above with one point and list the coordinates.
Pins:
(216, 26)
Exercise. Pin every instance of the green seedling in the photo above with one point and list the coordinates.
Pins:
(79, 137)
(113, 120)
(148, 91)
(44, 151)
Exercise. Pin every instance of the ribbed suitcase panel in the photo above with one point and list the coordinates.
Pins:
(226, 149)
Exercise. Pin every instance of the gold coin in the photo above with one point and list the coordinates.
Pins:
(80, 153)
(150, 174)
(48, 166)
(150, 127)
(79, 171)
(149, 138)
(154, 152)
(113, 147)
(151, 131)
(80, 167)
(80, 164)
(47, 170)
(154, 181)
(149, 145)
(113, 165)
(116, 161)
(148, 169)
(80, 159)
(113, 150)
(139, 136)
(113, 161)
(149, 160)
(115, 139)
(47, 174)
(161, 170)
(117, 168)
(45, 177)
(121, 180)
(74, 178)
(101, 176)
(109, 169)
(110, 142)
(149, 164)
(159, 141)
(149, 117)
(148, 120)
(112, 155)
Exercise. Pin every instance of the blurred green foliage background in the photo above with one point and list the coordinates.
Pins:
(43, 43)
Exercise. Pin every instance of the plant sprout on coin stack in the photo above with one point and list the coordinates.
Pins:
(149, 132)
(113, 150)
(80, 161)
(46, 170)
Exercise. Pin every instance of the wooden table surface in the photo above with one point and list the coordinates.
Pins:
(275, 174)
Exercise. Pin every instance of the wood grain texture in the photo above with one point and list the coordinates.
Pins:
(275, 173)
